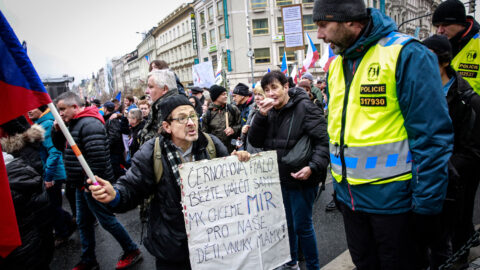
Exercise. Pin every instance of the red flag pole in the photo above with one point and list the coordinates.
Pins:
(72, 143)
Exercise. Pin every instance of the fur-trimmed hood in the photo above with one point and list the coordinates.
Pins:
(35, 133)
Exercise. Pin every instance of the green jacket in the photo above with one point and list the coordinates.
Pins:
(214, 123)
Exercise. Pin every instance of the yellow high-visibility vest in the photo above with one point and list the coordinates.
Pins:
(467, 63)
(368, 140)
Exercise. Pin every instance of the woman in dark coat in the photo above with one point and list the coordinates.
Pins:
(30, 199)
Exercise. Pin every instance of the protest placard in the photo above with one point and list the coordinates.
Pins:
(203, 74)
(234, 213)
(293, 27)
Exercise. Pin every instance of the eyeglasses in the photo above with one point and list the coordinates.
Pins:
(183, 119)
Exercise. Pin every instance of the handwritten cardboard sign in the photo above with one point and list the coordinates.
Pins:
(234, 213)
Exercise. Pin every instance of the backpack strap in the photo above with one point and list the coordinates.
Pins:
(157, 160)
(212, 151)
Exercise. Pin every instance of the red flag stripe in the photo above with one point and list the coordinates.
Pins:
(10, 234)
(19, 100)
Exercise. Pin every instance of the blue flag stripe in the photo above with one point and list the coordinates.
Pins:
(15, 66)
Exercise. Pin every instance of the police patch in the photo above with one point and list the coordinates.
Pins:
(468, 66)
(373, 72)
(373, 101)
(369, 89)
(467, 74)
(471, 55)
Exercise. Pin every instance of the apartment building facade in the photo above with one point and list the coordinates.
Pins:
(175, 40)
(225, 27)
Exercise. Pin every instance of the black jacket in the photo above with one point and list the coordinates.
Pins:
(166, 236)
(31, 202)
(115, 128)
(89, 134)
(462, 100)
(135, 145)
(270, 132)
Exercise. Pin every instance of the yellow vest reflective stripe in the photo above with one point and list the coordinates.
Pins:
(467, 63)
(375, 145)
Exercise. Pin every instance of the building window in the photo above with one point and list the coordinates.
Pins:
(212, 37)
(316, 46)
(221, 32)
(279, 25)
(308, 23)
(205, 59)
(202, 17)
(258, 3)
(210, 13)
(262, 55)
(260, 26)
(220, 8)
(204, 39)
(214, 62)
(290, 54)
(283, 2)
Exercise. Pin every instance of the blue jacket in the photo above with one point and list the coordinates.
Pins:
(429, 128)
(53, 168)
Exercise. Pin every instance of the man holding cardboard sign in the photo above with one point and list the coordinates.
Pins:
(179, 142)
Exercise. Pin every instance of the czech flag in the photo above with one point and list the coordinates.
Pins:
(327, 57)
(312, 56)
(20, 86)
(218, 74)
(294, 74)
(284, 67)
(21, 90)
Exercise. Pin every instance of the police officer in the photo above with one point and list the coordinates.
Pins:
(390, 133)
(462, 31)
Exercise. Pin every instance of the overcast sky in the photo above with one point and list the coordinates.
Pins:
(76, 37)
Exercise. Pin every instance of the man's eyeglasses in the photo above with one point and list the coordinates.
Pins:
(183, 119)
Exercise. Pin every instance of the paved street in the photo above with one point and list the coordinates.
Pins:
(329, 228)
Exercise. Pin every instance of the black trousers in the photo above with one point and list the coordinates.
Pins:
(379, 241)
(469, 178)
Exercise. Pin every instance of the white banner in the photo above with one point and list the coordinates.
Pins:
(234, 213)
(203, 74)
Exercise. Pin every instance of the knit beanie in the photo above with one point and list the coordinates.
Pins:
(216, 91)
(241, 89)
(439, 44)
(339, 10)
(450, 11)
(307, 75)
(16, 126)
(109, 105)
(167, 105)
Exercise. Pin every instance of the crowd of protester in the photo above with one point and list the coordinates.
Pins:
(394, 122)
